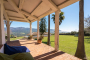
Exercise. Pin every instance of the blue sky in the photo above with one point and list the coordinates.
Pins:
(71, 21)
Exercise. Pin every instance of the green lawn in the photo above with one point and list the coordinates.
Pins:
(68, 44)
(16, 38)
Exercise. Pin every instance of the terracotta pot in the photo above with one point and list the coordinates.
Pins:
(39, 41)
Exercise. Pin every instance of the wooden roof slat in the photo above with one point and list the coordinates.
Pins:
(5, 14)
(37, 9)
(17, 9)
(16, 18)
(29, 15)
(21, 4)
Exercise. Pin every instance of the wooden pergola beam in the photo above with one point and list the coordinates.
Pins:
(29, 15)
(35, 9)
(21, 4)
(5, 14)
(17, 9)
(16, 18)
(43, 15)
(11, 11)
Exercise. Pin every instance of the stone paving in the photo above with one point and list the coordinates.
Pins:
(42, 51)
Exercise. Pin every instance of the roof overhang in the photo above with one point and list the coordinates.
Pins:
(32, 10)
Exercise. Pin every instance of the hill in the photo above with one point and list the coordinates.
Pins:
(22, 31)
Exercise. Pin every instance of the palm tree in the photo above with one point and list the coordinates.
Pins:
(80, 52)
(48, 42)
(61, 17)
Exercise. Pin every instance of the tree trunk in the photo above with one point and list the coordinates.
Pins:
(80, 52)
(48, 30)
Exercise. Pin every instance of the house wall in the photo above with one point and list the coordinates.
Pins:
(2, 49)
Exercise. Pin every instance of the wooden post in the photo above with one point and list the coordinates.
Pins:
(2, 32)
(8, 30)
(30, 28)
(37, 29)
(80, 52)
(57, 30)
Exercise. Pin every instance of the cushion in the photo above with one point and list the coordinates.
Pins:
(17, 56)
(14, 49)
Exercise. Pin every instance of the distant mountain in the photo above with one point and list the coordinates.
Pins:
(22, 31)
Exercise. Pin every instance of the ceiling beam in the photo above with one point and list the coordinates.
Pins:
(16, 18)
(27, 14)
(11, 11)
(51, 5)
(21, 4)
(36, 9)
(5, 14)
(17, 9)
(45, 14)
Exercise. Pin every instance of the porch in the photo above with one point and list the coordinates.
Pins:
(42, 51)
(33, 10)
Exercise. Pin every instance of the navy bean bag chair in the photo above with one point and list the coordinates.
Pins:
(14, 49)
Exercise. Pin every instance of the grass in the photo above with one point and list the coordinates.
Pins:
(16, 38)
(68, 44)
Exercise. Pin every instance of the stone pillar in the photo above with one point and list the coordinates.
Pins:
(2, 32)
(57, 30)
(30, 28)
(8, 30)
(37, 29)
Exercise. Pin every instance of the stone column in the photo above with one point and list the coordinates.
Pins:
(30, 28)
(2, 32)
(8, 30)
(37, 29)
(57, 30)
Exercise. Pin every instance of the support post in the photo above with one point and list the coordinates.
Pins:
(2, 32)
(80, 52)
(30, 29)
(37, 29)
(8, 30)
(57, 30)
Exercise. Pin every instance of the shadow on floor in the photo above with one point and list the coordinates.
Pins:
(28, 43)
(48, 55)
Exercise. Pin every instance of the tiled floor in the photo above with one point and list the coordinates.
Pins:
(42, 51)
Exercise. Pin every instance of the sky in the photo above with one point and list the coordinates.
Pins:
(71, 21)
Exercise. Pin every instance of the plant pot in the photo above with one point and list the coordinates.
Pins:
(39, 41)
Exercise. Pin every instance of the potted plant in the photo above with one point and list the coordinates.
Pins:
(40, 39)
(30, 37)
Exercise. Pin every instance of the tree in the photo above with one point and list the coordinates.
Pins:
(80, 52)
(48, 42)
(87, 24)
(42, 25)
(61, 17)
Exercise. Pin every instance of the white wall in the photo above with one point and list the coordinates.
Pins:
(2, 49)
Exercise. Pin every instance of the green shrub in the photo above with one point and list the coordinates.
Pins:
(5, 37)
(30, 37)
